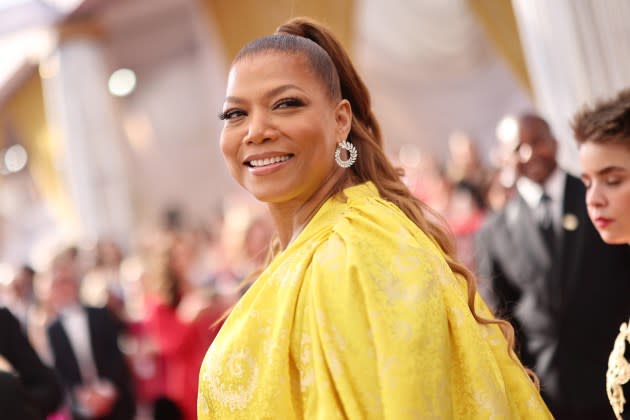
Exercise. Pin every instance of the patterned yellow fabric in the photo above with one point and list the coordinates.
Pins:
(361, 318)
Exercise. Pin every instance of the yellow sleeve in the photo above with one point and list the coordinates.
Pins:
(379, 333)
(382, 338)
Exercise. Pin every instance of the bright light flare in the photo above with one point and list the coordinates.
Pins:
(15, 158)
(122, 82)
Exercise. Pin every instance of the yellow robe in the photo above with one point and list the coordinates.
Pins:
(360, 317)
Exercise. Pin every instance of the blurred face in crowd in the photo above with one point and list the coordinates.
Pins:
(281, 127)
(109, 253)
(606, 175)
(22, 284)
(64, 286)
(535, 149)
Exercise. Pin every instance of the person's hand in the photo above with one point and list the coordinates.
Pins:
(96, 400)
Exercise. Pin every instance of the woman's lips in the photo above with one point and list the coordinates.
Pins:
(602, 222)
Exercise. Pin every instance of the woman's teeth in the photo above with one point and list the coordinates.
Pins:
(268, 161)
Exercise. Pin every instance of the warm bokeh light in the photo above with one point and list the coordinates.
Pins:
(507, 130)
(122, 82)
(15, 158)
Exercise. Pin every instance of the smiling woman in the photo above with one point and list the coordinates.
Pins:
(281, 129)
(363, 310)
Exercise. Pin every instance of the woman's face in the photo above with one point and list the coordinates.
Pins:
(606, 174)
(281, 127)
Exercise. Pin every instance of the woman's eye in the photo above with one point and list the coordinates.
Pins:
(613, 181)
(288, 103)
(231, 114)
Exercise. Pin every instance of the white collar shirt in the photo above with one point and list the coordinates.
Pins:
(554, 188)
(75, 323)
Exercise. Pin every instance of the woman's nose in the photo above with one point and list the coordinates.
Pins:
(595, 197)
(259, 129)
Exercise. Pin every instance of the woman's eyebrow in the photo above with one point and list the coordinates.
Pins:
(273, 92)
(609, 169)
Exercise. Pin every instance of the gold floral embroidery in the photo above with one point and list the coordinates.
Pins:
(618, 372)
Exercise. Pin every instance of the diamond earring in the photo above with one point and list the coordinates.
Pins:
(352, 152)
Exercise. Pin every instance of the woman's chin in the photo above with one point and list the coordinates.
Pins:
(266, 196)
(613, 239)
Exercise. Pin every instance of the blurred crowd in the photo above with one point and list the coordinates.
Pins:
(163, 302)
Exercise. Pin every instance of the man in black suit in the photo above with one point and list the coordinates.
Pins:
(543, 266)
(28, 388)
(84, 343)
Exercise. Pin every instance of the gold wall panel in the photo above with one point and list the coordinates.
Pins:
(240, 21)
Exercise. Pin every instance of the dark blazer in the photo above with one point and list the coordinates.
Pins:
(35, 391)
(566, 308)
(111, 364)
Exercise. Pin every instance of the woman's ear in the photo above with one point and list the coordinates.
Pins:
(343, 118)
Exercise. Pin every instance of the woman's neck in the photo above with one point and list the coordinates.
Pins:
(290, 218)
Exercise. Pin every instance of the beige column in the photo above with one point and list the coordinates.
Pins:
(82, 114)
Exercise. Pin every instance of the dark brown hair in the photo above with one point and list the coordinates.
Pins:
(607, 121)
(163, 277)
(365, 133)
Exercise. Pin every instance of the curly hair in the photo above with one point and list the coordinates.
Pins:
(607, 121)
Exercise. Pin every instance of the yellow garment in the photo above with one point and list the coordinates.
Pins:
(361, 318)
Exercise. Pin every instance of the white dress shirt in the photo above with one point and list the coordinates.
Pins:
(553, 187)
(75, 323)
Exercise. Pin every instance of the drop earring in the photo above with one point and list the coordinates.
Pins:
(352, 154)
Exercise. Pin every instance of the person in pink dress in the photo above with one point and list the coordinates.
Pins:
(181, 321)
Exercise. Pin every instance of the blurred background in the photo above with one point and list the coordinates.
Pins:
(109, 141)
(108, 107)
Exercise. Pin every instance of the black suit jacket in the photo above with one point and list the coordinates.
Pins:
(35, 391)
(566, 308)
(111, 364)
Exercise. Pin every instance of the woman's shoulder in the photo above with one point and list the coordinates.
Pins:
(366, 219)
(372, 234)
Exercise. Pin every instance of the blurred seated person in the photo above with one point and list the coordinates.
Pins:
(84, 344)
(25, 303)
(463, 162)
(466, 213)
(102, 284)
(28, 388)
(20, 298)
(180, 319)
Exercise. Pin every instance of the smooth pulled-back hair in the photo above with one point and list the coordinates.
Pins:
(607, 121)
(318, 58)
(372, 163)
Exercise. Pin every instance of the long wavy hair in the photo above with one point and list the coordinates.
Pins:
(332, 65)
